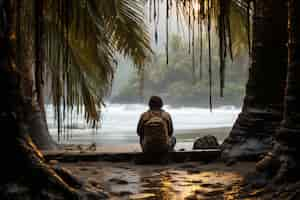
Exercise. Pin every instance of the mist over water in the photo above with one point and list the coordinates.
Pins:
(172, 82)
(119, 121)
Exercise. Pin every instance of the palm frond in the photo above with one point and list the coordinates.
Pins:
(124, 20)
(227, 18)
(82, 40)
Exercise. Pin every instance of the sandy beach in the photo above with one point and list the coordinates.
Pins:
(179, 181)
(184, 180)
(190, 135)
(185, 139)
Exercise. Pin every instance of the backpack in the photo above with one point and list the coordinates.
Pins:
(156, 138)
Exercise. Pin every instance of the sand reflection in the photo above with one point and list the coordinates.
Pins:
(186, 181)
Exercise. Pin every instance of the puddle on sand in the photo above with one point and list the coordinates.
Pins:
(183, 185)
(160, 183)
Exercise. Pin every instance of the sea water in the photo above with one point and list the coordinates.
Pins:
(119, 121)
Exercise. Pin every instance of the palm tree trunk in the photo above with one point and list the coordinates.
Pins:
(261, 114)
(289, 132)
(21, 155)
(24, 165)
(285, 152)
(31, 85)
(38, 129)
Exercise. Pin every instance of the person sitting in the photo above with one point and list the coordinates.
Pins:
(155, 128)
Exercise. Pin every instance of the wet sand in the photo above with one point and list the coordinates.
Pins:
(175, 181)
(185, 139)
(179, 181)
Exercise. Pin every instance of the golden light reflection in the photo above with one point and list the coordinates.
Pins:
(170, 184)
(199, 186)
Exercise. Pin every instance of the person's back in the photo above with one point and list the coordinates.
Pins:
(155, 128)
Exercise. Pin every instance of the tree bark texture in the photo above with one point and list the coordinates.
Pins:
(289, 132)
(31, 83)
(24, 174)
(253, 131)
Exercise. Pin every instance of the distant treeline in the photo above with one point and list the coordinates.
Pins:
(184, 81)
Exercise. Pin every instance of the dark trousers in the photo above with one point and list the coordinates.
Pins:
(172, 143)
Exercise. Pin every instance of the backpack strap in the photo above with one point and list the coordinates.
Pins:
(161, 113)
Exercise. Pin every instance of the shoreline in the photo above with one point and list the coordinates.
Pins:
(220, 132)
(185, 139)
(175, 180)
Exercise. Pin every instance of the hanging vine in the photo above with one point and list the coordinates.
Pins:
(215, 15)
(80, 40)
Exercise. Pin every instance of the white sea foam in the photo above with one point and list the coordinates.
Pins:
(119, 122)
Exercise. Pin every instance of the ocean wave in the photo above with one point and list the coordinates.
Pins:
(120, 120)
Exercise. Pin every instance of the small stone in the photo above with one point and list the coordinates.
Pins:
(191, 197)
(118, 181)
(124, 193)
(53, 162)
(231, 161)
(206, 185)
(206, 142)
(215, 192)
(83, 169)
(92, 147)
(193, 171)
(197, 181)
(94, 183)
(187, 166)
(95, 172)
